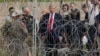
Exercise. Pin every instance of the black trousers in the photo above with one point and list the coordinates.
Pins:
(50, 43)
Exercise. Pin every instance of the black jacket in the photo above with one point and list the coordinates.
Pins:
(29, 21)
(75, 14)
(53, 36)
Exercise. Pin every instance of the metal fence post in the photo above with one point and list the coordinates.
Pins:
(34, 27)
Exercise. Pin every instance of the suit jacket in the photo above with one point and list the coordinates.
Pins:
(56, 26)
(97, 18)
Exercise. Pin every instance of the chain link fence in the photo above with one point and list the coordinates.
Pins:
(15, 42)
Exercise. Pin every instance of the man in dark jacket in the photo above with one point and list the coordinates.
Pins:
(75, 13)
(85, 10)
(28, 19)
(49, 29)
(98, 27)
(93, 36)
(29, 22)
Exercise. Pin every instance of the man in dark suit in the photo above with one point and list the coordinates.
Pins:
(49, 30)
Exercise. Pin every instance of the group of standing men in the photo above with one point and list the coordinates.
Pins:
(57, 30)
(18, 31)
(65, 29)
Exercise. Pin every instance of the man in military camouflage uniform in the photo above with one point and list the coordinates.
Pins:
(15, 33)
(29, 21)
(19, 33)
(8, 21)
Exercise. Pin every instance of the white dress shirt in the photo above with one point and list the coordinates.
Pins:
(93, 12)
(52, 19)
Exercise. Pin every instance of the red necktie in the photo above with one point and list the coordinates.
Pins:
(50, 23)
